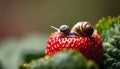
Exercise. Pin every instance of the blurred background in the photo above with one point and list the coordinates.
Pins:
(25, 24)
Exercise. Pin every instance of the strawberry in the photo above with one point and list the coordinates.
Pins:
(90, 47)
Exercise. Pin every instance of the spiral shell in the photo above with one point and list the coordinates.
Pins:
(63, 29)
(82, 28)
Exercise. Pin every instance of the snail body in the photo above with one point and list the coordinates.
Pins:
(63, 29)
(82, 28)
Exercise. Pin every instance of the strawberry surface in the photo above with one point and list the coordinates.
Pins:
(90, 47)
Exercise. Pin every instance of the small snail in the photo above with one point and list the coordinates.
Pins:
(83, 28)
(64, 29)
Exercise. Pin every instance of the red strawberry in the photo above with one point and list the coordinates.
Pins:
(90, 47)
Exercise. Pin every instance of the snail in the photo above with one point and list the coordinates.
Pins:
(64, 29)
(82, 28)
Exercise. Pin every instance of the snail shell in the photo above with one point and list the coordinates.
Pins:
(82, 28)
(63, 29)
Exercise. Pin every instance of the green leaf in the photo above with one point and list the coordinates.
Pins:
(111, 47)
(66, 59)
(106, 23)
(91, 65)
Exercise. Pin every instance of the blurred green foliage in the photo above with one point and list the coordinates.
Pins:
(110, 33)
(14, 51)
(29, 57)
(66, 59)
(106, 23)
